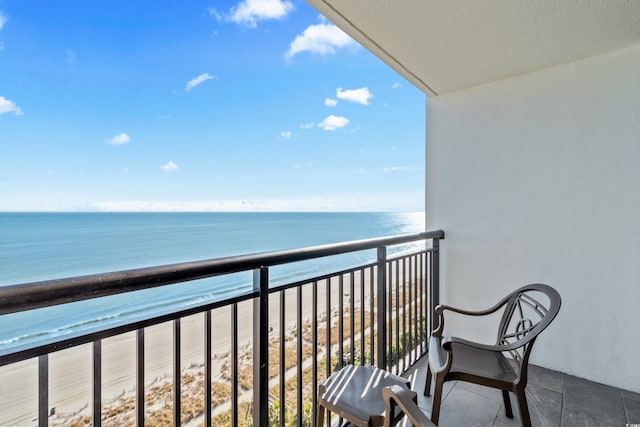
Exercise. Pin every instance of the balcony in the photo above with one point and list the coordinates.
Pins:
(260, 354)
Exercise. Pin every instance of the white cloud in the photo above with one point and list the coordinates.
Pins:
(396, 85)
(213, 12)
(333, 122)
(393, 169)
(249, 12)
(307, 125)
(198, 80)
(119, 139)
(360, 96)
(8, 106)
(322, 39)
(330, 102)
(171, 166)
(286, 134)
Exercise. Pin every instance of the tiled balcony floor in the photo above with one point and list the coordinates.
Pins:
(555, 399)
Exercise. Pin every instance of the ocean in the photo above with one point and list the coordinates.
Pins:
(43, 246)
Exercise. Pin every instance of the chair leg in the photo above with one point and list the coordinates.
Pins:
(427, 383)
(322, 388)
(435, 400)
(507, 404)
(320, 416)
(523, 407)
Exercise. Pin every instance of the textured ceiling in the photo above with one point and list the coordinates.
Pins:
(447, 45)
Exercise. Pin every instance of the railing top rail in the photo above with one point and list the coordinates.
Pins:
(28, 296)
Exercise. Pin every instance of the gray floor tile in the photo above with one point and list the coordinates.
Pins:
(488, 392)
(545, 408)
(630, 395)
(578, 419)
(478, 411)
(547, 378)
(424, 402)
(632, 409)
(596, 401)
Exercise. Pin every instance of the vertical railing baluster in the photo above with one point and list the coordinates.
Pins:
(382, 307)
(352, 342)
(372, 324)
(298, 354)
(261, 348)
(362, 324)
(341, 321)
(282, 359)
(390, 313)
(140, 377)
(97, 383)
(397, 315)
(416, 310)
(435, 282)
(404, 342)
(43, 390)
(424, 326)
(234, 364)
(207, 368)
(328, 328)
(314, 341)
(177, 375)
(328, 337)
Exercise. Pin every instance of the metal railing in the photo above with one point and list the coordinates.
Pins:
(377, 313)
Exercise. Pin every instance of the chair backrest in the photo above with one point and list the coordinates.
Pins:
(528, 311)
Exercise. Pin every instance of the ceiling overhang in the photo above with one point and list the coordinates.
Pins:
(446, 46)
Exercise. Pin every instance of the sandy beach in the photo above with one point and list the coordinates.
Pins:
(70, 371)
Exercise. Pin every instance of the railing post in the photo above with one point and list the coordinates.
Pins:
(177, 374)
(261, 348)
(435, 282)
(43, 390)
(382, 307)
(140, 377)
(97, 383)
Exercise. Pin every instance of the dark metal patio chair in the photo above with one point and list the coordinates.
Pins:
(503, 365)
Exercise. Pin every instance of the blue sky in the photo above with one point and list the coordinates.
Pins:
(200, 105)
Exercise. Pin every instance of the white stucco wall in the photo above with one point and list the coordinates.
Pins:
(537, 179)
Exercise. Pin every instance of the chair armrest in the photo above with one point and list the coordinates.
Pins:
(404, 399)
(440, 309)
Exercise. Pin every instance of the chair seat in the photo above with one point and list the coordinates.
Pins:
(355, 393)
(469, 363)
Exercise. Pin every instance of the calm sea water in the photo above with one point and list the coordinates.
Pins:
(43, 246)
